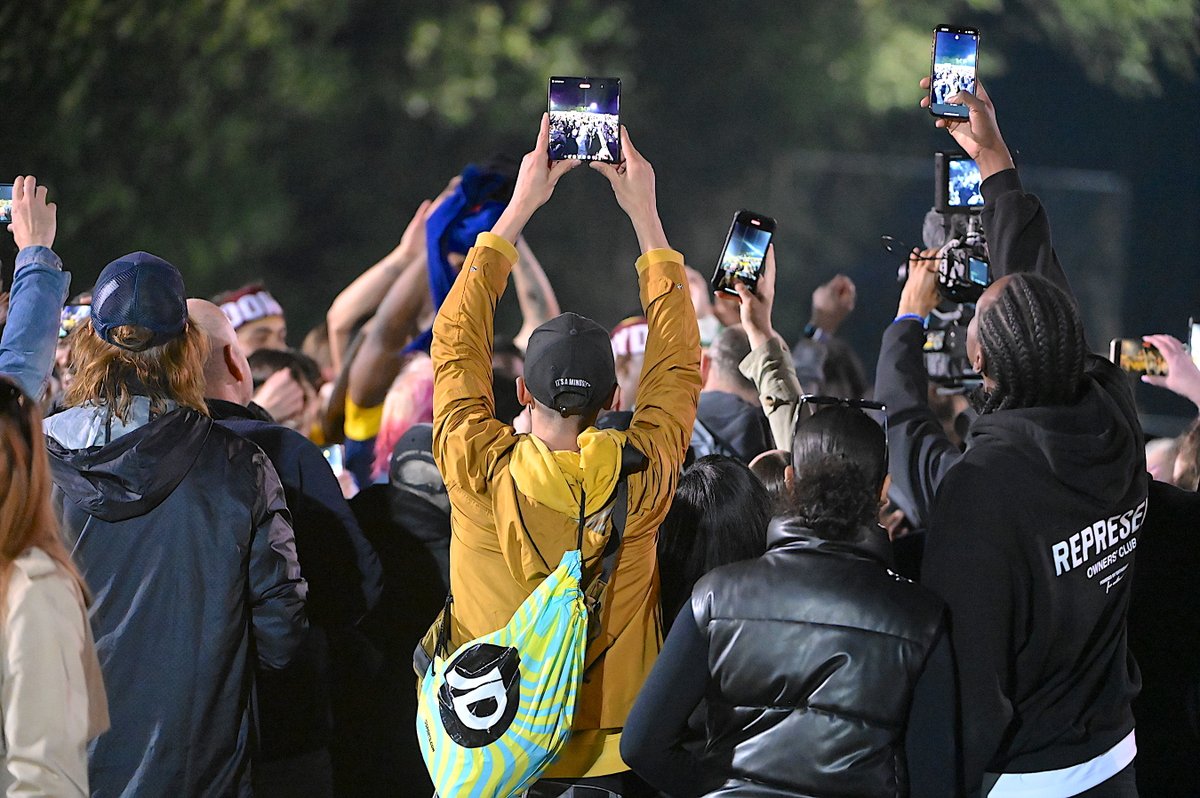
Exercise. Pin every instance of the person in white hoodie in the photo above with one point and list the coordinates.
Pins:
(52, 699)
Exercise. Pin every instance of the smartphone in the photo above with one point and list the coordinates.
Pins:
(585, 119)
(72, 316)
(1194, 339)
(5, 203)
(959, 184)
(977, 271)
(335, 455)
(744, 252)
(1137, 357)
(955, 56)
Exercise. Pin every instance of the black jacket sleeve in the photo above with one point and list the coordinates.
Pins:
(658, 722)
(1018, 231)
(919, 453)
(277, 591)
(931, 741)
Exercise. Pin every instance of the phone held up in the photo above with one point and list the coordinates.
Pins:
(744, 253)
(585, 119)
(954, 60)
(1137, 357)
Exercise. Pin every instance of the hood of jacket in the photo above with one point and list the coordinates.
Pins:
(132, 474)
(1079, 444)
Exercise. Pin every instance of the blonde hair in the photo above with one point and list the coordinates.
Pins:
(111, 376)
(26, 517)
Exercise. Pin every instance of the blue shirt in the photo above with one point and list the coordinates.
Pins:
(35, 303)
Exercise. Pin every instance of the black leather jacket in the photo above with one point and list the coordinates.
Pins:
(814, 650)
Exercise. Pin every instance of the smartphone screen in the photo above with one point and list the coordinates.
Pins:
(72, 316)
(955, 52)
(745, 250)
(5, 203)
(964, 183)
(1137, 357)
(585, 119)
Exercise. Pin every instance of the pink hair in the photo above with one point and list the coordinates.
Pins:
(409, 401)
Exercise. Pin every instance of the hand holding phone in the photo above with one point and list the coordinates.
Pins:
(744, 253)
(34, 221)
(1181, 374)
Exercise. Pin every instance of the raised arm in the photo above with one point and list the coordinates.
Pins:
(919, 452)
(362, 297)
(467, 437)
(535, 294)
(1014, 222)
(38, 292)
(769, 365)
(379, 358)
(661, 427)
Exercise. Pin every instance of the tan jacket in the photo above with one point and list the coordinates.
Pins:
(769, 366)
(51, 691)
(504, 543)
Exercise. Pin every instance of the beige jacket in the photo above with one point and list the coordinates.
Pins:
(770, 368)
(51, 692)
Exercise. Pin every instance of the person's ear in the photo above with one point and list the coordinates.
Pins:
(789, 478)
(887, 484)
(524, 397)
(232, 365)
(705, 366)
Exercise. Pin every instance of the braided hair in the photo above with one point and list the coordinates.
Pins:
(1032, 341)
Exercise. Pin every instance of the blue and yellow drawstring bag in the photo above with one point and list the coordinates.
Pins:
(492, 716)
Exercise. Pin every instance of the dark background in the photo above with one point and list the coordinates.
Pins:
(290, 140)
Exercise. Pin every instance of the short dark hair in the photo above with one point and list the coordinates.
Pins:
(265, 362)
(1033, 345)
(727, 351)
(845, 432)
(719, 515)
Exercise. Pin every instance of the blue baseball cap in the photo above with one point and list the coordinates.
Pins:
(142, 290)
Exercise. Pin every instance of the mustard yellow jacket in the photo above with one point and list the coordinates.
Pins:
(504, 543)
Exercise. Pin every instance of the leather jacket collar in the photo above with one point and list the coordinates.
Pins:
(788, 532)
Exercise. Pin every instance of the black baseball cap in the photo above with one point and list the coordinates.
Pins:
(141, 290)
(569, 364)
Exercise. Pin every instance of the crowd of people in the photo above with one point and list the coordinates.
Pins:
(584, 135)
(233, 567)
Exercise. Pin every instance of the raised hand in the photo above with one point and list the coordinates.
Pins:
(1183, 376)
(34, 220)
(978, 135)
(633, 184)
(920, 296)
(756, 305)
(833, 302)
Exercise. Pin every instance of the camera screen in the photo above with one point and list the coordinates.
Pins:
(585, 119)
(953, 71)
(5, 203)
(963, 191)
(1194, 340)
(742, 258)
(977, 271)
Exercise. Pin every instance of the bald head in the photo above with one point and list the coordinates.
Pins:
(226, 374)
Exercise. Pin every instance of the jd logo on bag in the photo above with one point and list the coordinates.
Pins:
(479, 698)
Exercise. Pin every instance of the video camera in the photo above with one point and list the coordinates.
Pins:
(953, 226)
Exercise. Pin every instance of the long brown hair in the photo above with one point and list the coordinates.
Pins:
(26, 518)
(111, 376)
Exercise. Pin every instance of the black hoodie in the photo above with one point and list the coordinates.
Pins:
(181, 531)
